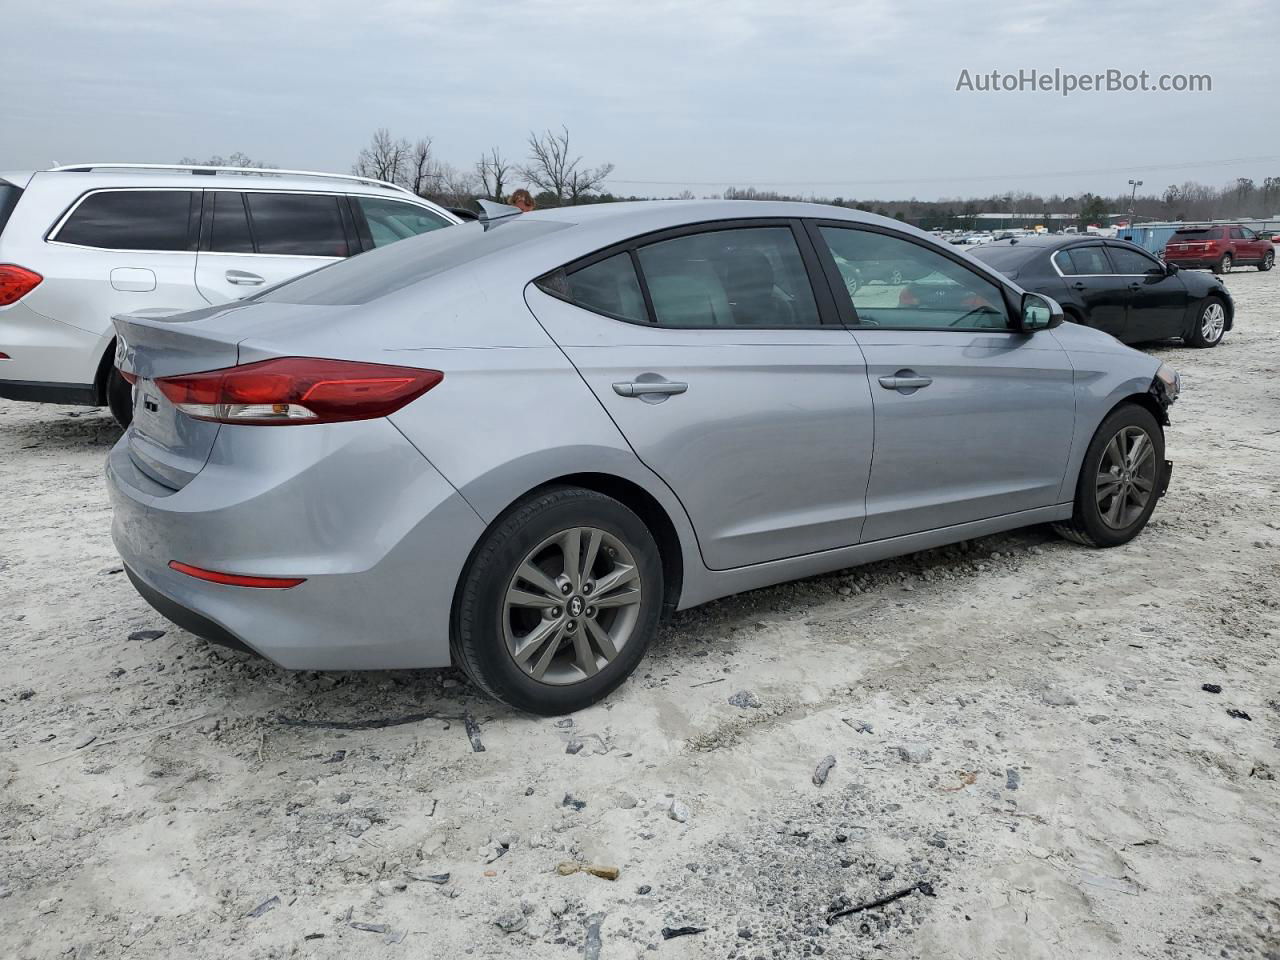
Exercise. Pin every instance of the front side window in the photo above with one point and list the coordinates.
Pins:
(132, 220)
(391, 220)
(298, 224)
(741, 277)
(1090, 261)
(1130, 262)
(922, 288)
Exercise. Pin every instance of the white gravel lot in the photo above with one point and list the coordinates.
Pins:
(1077, 794)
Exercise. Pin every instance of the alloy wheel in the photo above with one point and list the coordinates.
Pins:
(1126, 477)
(572, 605)
(1226, 263)
(1212, 322)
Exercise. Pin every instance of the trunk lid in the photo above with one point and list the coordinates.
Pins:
(165, 444)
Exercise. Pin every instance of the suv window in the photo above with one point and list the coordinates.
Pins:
(1236, 233)
(229, 232)
(132, 220)
(1085, 261)
(9, 195)
(739, 277)
(1130, 262)
(298, 224)
(933, 291)
(1248, 234)
(391, 220)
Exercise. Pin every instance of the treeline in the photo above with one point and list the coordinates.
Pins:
(556, 176)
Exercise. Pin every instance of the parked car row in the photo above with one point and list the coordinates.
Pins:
(81, 243)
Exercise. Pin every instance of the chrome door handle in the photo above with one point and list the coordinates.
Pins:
(649, 388)
(901, 382)
(244, 278)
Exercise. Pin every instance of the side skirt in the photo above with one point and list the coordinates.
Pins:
(708, 585)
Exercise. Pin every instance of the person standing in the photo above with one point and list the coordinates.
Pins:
(523, 199)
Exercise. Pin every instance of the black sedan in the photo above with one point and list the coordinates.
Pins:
(1117, 287)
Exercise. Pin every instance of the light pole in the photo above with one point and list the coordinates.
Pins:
(1133, 199)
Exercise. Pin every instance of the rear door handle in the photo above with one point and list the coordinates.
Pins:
(1077, 285)
(905, 380)
(243, 278)
(649, 388)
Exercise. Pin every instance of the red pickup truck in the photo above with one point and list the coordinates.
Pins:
(1219, 248)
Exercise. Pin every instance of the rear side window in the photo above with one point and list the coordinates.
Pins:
(229, 232)
(609, 287)
(132, 220)
(1084, 261)
(9, 195)
(298, 224)
(391, 220)
(746, 277)
(1237, 233)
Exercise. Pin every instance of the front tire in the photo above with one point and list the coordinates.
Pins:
(1268, 261)
(1210, 325)
(120, 398)
(1119, 480)
(559, 602)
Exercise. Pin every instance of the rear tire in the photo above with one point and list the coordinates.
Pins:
(120, 397)
(1210, 324)
(1268, 261)
(528, 632)
(1224, 265)
(1119, 480)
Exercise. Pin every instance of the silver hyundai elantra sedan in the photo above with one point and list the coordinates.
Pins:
(516, 445)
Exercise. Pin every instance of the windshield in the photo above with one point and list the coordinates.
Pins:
(396, 266)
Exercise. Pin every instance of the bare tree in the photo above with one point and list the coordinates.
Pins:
(494, 170)
(454, 187)
(236, 159)
(385, 158)
(551, 169)
(422, 169)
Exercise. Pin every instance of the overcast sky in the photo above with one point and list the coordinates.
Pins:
(855, 98)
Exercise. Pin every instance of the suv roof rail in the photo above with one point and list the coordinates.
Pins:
(251, 171)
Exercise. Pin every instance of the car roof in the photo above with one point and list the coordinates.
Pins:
(223, 181)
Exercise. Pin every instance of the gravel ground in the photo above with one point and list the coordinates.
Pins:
(1020, 736)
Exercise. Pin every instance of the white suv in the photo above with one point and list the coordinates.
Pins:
(79, 244)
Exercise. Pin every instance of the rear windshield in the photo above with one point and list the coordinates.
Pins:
(1005, 256)
(388, 269)
(9, 195)
(1198, 233)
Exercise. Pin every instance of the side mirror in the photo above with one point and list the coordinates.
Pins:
(1171, 268)
(1039, 313)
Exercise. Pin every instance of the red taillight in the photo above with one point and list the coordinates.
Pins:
(16, 282)
(297, 390)
(235, 579)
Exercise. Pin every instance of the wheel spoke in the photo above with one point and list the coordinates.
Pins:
(584, 656)
(1138, 451)
(601, 636)
(1115, 451)
(620, 574)
(523, 598)
(549, 653)
(531, 574)
(538, 636)
(1144, 456)
(593, 547)
(571, 544)
(1143, 484)
(1113, 512)
(620, 598)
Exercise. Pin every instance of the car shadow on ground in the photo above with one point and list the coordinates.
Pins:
(65, 429)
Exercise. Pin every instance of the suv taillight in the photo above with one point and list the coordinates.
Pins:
(297, 390)
(16, 282)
